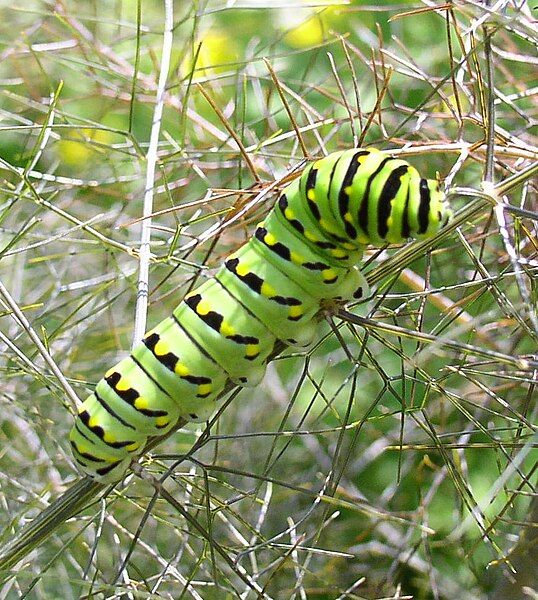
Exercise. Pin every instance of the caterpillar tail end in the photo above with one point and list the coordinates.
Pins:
(103, 470)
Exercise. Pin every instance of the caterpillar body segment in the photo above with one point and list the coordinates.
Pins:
(280, 309)
(299, 221)
(103, 442)
(318, 277)
(301, 258)
(236, 341)
(323, 184)
(182, 367)
(373, 197)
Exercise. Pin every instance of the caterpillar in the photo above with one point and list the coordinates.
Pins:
(304, 254)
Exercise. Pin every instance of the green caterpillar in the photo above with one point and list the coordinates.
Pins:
(304, 253)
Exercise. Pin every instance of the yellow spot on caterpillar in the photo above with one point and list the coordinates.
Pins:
(363, 239)
(328, 226)
(267, 290)
(141, 403)
(348, 190)
(311, 194)
(162, 421)
(83, 449)
(109, 372)
(242, 269)
(337, 253)
(122, 385)
(348, 217)
(349, 246)
(328, 274)
(93, 422)
(132, 447)
(181, 370)
(295, 311)
(161, 348)
(289, 214)
(310, 236)
(204, 389)
(203, 307)
(364, 158)
(296, 258)
(269, 239)
(390, 222)
(252, 350)
(226, 329)
(109, 438)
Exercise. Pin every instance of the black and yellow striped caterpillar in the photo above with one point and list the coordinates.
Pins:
(304, 253)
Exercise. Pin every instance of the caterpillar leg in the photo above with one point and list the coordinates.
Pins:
(353, 286)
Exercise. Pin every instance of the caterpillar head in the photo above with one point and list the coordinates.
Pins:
(434, 211)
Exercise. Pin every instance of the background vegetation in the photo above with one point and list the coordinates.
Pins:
(394, 460)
